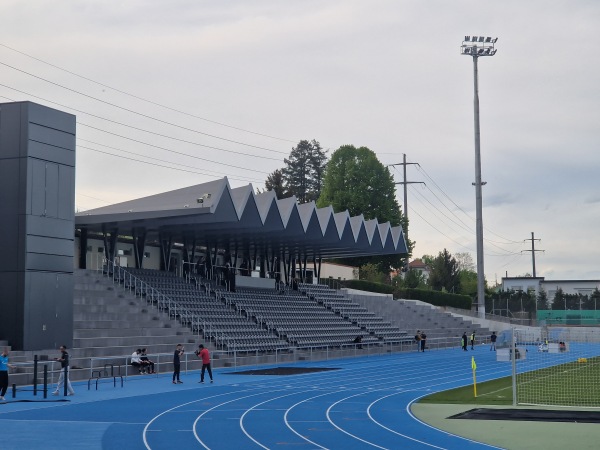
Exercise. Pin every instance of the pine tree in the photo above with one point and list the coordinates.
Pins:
(304, 171)
(274, 182)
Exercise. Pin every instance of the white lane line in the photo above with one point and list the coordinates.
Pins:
(344, 431)
(195, 426)
(287, 422)
(393, 431)
(146, 428)
(253, 408)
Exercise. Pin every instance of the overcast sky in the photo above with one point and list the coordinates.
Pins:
(173, 93)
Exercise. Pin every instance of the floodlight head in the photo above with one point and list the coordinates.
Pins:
(476, 46)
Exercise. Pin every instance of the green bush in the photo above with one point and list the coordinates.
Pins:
(370, 286)
(436, 298)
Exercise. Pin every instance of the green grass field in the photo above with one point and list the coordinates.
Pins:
(570, 384)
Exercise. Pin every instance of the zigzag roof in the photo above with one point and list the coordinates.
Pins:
(215, 213)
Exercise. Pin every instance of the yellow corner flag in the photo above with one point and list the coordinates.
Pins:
(474, 367)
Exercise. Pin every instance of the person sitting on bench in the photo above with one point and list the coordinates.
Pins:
(137, 362)
(147, 364)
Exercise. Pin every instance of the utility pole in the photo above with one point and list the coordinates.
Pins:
(533, 250)
(405, 183)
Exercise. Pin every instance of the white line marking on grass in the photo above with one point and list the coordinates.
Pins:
(443, 431)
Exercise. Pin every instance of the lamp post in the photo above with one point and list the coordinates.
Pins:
(477, 46)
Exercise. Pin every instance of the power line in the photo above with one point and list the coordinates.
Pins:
(131, 126)
(139, 113)
(504, 252)
(145, 99)
(508, 241)
(162, 160)
(151, 163)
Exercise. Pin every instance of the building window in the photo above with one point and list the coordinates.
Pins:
(100, 249)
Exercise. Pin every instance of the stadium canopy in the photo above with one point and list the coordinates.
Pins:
(239, 222)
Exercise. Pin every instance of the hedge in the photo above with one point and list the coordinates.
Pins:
(436, 298)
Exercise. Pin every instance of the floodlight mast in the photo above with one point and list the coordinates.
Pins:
(477, 46)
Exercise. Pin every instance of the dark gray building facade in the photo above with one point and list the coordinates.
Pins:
(37, 205)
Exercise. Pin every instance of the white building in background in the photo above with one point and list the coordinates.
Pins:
(528, 284)
(338, 271)
(421, 267)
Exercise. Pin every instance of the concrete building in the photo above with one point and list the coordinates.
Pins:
(529, 284)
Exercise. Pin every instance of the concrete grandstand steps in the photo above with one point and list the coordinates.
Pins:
(413, 315)
(110, 322)
(140, 332)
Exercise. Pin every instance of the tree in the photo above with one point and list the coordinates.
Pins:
(304, 171)
(369, 272)
(542, 300)
(559, 300)
(444, 273)
(465, 261)
(595, 299)
(468, 282)
(414, 279)
(357, 181)
(275, 183)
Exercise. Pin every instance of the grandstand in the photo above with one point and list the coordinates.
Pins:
(121, 309)
(252, 248)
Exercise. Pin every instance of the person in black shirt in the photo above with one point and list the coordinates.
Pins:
(177, 364)
(147, 363)
(423, 341)
(493, 338)
(64, 368)
(464, 341)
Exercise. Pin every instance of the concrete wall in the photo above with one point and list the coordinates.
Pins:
(338, 271)
(37, 204)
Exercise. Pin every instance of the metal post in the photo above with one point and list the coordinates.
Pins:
(513, 354)
(45, 380)
(478, 199)
(477, 46)
(35, 372)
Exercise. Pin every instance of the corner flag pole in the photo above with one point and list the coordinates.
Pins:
(474, 368)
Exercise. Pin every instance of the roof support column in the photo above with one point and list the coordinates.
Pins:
(318, 271)
(83, 235)
(139, 244)
(110, 244)
(304, 270)
(166, 247)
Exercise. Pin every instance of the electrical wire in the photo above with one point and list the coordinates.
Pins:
(133, 127)
(208, 172)
(120, 91)
(151, 163)
(508, 241)
(181, 127)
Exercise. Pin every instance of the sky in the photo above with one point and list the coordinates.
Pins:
(169, 94)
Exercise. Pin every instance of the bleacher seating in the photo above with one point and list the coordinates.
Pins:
(248, 319)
